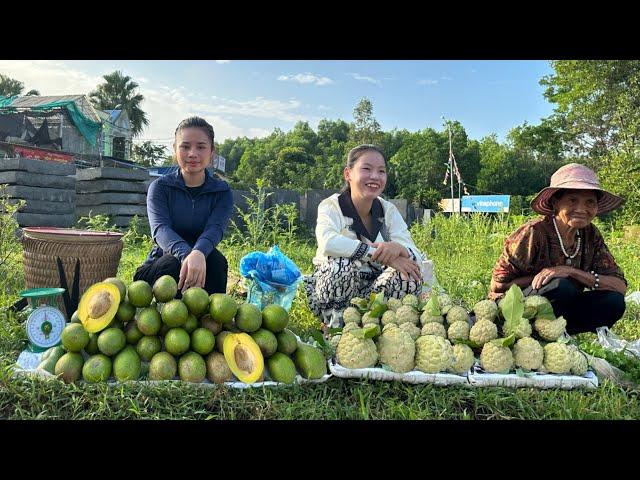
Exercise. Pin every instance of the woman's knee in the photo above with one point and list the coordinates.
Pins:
(216, 261)
(614, 303)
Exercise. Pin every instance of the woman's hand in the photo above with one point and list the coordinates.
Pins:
(193, 271)
(547, 274)
(407, 268)
(387, 252)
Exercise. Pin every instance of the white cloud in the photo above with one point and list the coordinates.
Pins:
(324, 107)
(364, 78)
(165, 106)
(222, 62)
(427, 81)
(304, 78)
(50, 77)
(445, 78)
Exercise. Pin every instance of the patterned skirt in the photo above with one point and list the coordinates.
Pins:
(335, 282)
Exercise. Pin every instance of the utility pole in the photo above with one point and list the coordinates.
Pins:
(451, 166)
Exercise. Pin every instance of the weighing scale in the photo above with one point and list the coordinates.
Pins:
(45, 322)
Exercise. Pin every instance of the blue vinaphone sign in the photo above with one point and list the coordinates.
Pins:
(486, 203)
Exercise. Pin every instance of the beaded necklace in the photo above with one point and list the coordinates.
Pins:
(568, 258)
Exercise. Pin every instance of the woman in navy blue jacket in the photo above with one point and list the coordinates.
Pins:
(189, 210)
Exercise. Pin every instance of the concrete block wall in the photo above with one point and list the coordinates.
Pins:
(119, 193)
(47, 187)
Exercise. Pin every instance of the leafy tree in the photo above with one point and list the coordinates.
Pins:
(366, 128)
(119, 92)
(598, 104)
(419, 167)
(10, 87)
(32, 93)
(149, 154)
(598, 108)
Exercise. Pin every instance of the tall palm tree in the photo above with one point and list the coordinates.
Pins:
(118, 92)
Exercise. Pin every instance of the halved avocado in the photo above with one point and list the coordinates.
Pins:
(244, 357)
(98, 306)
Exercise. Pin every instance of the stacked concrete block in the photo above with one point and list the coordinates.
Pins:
(119, 193)
(309, 206)
(47, 187)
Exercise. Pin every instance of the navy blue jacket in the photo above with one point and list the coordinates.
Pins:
(180, 223)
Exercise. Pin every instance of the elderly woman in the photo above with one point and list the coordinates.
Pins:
(563, 256)
(364, 245)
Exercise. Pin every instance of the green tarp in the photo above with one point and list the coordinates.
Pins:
(87, 127)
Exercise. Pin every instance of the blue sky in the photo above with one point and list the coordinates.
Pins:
(250, 98)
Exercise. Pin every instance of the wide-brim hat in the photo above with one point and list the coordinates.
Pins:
(574, 176)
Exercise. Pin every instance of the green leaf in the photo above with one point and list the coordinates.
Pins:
(378, 309)
(371, 331)
(372, 298)
(470, 343)
(318, 337)
(357, 332)
(386, 367)
(512, 308)
(546, 311)
(433, 306)
(334, 330)
(508, 341)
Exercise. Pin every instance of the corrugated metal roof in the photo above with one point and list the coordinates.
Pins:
(81, 102)
(36, 100)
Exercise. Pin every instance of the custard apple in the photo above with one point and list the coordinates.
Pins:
(434, 354)
(550, 330)
(394, 303)
(433, 328)
(334, 340)
(359, 302)
(558, 358)
(406, 314)
(522, 329)
(531, 305)
(464, 359)
(496, 358)
(411, 329)
(458, 331)
(389, 326)
(388, 317)
(580, 364)
(528, 354)
(351, 315)
(410, 299)
(482, 332)
(457, 314)
(349, 326)
(397, 350)
(486, 310)
(368, 319)
(426, 317)
(354, 351)
(444, 299)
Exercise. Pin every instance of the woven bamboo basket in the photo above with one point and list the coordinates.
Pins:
(98, 252)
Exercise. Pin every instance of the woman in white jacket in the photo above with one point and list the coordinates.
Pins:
(364, 245)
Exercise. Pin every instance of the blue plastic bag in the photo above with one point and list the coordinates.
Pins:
(273, 278)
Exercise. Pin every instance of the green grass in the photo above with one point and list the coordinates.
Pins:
(463, 251)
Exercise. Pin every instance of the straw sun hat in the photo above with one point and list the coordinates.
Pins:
(574, 176)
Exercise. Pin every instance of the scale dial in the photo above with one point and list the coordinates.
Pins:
(44, 326)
